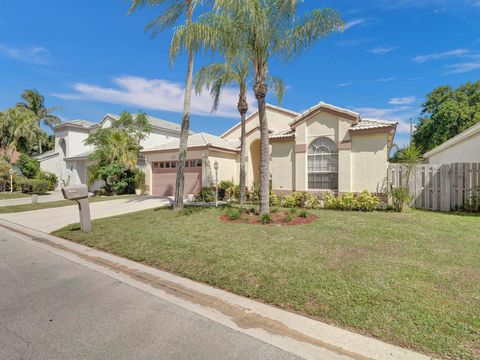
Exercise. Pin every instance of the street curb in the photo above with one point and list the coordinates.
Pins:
(291, 332)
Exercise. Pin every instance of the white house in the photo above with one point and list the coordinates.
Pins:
(69, 159)
(463, 148)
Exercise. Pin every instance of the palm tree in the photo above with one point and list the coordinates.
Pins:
(235, 71)
(410, 156)
(35, 102)
(268, 29)
(19, 129)
(185, 38)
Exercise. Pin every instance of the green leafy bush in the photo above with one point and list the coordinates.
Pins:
(472, 203)
(303, 214)
(400, 198)
(139, 179)
(205, 195)
(349, 202)
(288, 218)
(33, 186)
(301, 200)
(28, 167)
(234, 214)
(51, 178)
(254, 195)
(266, 219)
(274, 199)
(117, 179)
(223, 189)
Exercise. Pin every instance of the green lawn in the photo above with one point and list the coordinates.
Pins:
(14, 195)
(54, 204)
(411, 279)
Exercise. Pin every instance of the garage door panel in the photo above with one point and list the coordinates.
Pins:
(164, 179)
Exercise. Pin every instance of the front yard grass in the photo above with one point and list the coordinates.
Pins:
(53, 204)
(412, 279)
(13, 195)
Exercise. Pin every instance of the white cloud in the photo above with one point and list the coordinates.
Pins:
(462, 67)
(156, 94)
(381, 50)
(406, 100)
(443, 55)
(381, 80)
(353, 42)
(32, 54)
(350, 24)
(345, 84)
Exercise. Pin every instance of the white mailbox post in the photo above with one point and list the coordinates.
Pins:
(79, 193)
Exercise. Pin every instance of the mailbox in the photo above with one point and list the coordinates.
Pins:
(79, 193)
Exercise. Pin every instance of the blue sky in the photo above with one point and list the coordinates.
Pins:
(89, 58)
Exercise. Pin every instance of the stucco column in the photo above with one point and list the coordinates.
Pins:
(344, 170)
(301, 177)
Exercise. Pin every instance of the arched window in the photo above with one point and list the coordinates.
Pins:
(323, 164)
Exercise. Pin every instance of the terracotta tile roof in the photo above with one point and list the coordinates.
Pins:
(198, 140)
(367, 124)
(284, 133)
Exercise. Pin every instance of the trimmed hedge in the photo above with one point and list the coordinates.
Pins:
(33, 186)
(349, 202)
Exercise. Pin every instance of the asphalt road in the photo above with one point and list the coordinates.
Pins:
(52, 308)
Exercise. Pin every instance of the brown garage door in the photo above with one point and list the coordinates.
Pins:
(165, 174)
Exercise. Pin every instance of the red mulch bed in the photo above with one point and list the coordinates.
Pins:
(277, 219)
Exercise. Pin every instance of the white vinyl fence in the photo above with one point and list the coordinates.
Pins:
(439, 187)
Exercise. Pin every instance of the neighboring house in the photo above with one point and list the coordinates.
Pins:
(463, 148)
(69, 159)
(326, 148)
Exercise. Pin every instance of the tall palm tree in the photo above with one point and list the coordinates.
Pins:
(186, 37)
(234, 71)
(269, 29)
(35, 102)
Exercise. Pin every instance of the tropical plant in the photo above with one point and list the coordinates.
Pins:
(33, 186)
(410, 156)
(400, 198)
(234, 71)
(19, 131)
(4, 174)
(267, 29)
(205, 195)
(351, 202)
(187, 37)
(301, 200)
(266, 219)
(34, 102)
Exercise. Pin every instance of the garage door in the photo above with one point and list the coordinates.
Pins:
(165, 175)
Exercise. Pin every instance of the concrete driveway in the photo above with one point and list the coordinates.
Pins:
(48, 220)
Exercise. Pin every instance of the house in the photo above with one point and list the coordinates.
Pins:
(69, 160)
(325, 148)
(463, 148)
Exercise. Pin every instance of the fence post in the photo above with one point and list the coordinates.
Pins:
(445, 188)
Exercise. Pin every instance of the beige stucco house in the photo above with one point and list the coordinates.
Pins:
(463, 148)
(326, 148)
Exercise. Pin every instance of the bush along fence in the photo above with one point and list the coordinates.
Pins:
(444, 187)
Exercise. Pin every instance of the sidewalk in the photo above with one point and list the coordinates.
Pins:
(53, 196)
(299, 335)
(48, 220)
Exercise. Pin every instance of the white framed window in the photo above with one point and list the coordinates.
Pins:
(323, 164)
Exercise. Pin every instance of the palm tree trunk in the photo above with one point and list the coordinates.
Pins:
(39, 140)
(260, 90)
(242, 109)
(182, 155)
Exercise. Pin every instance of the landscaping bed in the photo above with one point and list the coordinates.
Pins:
(278, 218)
(412, 279)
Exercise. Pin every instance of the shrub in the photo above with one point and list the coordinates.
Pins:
(288, 218)
(301, 200)
(139, 179)
(205, 195)
(472, 204)
(303, 214)
(33, 186)
(234, 214)
(274, 210)
(223, 187)
(349, 202)
(117, 179)
(367, 201)
(254, 195)
(51, 178)
(293, 211)
(28, 167)
(274, 199)
(400, 198)
(266, 219)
